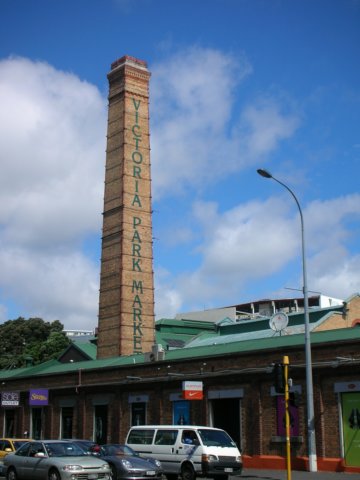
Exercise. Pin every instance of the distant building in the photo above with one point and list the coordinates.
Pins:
(79, 333)
(260, 308)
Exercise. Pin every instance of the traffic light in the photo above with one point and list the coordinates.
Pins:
(279, 380)
(294, 399)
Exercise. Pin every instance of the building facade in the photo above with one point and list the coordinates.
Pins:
(135, 374)
(100, 399)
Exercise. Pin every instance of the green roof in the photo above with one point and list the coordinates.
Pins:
(89, 348)
(172, 333)
(254, 345)
(188, 339)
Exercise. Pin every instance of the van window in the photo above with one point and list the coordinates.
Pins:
(189, 437)
(166, 437)
(141, 437)
(213, 438)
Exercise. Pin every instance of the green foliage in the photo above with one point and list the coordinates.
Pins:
(34, 340)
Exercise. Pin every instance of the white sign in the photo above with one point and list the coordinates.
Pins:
(10, 399)
(193, 386)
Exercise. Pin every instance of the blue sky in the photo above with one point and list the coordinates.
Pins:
(236, 85)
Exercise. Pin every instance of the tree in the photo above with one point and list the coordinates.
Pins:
(35, 339)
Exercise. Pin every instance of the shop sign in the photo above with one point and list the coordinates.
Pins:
(10, 399)
(38, 397)
(192, 390)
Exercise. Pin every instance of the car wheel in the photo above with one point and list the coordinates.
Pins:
(113, 473)
(11, 474)
(54, 475)
(187, 472)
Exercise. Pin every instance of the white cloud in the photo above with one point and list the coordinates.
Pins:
(169, 301)
(197, 136)
(263, 125)
(239, 246)
(334, 267)
(247, 245)
(50, 286)
(329, 219)
(52, 147)
(341, 279)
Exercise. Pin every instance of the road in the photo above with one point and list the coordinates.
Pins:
(256, 474)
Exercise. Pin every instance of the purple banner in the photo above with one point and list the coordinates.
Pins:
(38, 397)
(294, 418)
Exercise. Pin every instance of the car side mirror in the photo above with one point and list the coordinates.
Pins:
(40, 455)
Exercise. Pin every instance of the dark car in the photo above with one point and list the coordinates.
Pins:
(126, 464)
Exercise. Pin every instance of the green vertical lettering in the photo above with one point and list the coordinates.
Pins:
(137, 133)
(137, 344)
(136, 265)
(136, 103)
(136, 200)
(136, 221)
(137, 329)
(137, 286)
(136, 172)
(138, 301)
(136, 237)
(137, 157)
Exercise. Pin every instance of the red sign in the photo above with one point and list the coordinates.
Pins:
(193, 390)
(192, 395)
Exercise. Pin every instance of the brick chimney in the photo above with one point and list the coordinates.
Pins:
(126, 302)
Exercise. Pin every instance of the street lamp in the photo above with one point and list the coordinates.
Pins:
(309, 379)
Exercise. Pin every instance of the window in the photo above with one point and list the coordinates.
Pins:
(100, 420)
(141, 437)
(36, 426)
(166, 437)
(189, 437)
(66, 422)
(138, 413)
(9, 423)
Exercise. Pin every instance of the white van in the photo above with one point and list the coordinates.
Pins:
(188, 450)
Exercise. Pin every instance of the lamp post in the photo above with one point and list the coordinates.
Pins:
(309, 379)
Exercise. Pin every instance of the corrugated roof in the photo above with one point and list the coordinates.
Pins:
(240, 332)
(209, 350)
(88, 348)
(172, 333)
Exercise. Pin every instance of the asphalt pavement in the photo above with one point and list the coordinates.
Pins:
(256, 474)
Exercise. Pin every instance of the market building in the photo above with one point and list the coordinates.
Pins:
(136, 371)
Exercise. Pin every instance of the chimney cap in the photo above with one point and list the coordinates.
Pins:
(126, 59)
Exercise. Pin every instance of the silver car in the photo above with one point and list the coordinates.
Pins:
(54, 460)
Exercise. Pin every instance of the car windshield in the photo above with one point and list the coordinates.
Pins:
(18, 443)
(117, 450)
(218, 438)
(64, 449)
